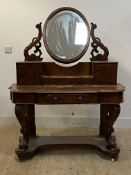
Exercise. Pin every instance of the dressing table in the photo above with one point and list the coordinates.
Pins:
(66, 35)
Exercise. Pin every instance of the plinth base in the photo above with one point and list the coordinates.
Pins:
(38, 143)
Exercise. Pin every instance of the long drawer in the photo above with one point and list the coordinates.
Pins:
(66, 98)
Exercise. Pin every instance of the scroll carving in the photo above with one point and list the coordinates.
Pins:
(21, 114)
(37, 44)
(111, 113)
(25, 116)
(96, 42)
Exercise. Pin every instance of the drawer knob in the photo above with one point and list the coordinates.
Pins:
(56, 98)
(80, 98)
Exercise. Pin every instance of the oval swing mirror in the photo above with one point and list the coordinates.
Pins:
(66, 35)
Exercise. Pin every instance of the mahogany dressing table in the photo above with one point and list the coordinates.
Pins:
(66, 36)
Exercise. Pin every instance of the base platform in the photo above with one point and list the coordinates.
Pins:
(39, 143)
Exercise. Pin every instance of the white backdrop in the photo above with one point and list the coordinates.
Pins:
(17, 28)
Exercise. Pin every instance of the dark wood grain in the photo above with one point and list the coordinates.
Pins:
(85, 83)
(26, 117)
(86, 73)
(96, 42)
(36, 56)
(67, 88)
(37, 144)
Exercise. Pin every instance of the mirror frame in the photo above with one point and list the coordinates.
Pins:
(56, 58)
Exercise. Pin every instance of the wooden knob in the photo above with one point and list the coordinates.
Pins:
(56, 98)
(80, 98)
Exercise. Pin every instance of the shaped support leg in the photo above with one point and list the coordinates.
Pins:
(108, 115)
(26, 117)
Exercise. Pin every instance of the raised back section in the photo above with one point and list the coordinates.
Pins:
(84, 73)
(104, 72)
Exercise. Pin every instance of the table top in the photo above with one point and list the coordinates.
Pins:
(67, 88)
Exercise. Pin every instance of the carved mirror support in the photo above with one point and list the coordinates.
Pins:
(37, 44)
(66, 35)
(96, 42)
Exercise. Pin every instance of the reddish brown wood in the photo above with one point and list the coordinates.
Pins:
(43, 142)
(104, 89)
(34, 87)
(26, 116)
(85, 83)
(85, 73)
(35, 43)
(29, 73)
(95, 44)
(109, 113)
(95, 94)
(104, 72)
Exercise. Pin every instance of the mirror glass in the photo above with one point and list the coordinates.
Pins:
(66, 35)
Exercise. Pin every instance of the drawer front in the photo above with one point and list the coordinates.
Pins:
(110, 98)
(66, 98)
(105, 73)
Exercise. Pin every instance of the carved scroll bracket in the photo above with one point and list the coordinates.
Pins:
(96, 42)
(25, 116)
(112, 115)
(37, 44)
(109, 113)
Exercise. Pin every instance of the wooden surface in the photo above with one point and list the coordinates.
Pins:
(64, 161)
(39, 143)
(49, 73)
(67, 88)
(36, 84)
